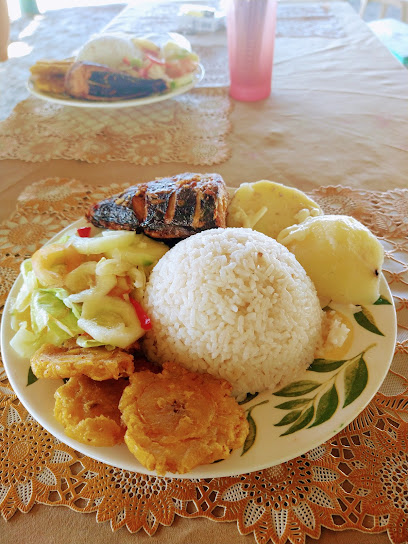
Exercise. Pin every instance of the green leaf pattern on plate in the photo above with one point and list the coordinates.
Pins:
(311, 411)
(288, 405)
(297, 389)
(366, 320)
(248, 398)
(251, 436)
(381, 301)
(327, 406)
(250, 439)
(326, 365)
(355, 380)
(289, 418)
(314, 410)
(302, 422)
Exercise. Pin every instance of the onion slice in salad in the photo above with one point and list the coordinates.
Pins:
(110, 320)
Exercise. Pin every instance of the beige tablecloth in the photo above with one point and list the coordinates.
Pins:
(337, 114)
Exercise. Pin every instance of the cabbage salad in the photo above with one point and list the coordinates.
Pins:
(89, 285)
(171, 62)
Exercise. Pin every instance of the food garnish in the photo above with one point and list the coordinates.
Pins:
(177, 420)
(88, 410)
(84, 232)
(145, 321)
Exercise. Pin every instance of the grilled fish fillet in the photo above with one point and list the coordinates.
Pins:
(93, 81)
(171, 207)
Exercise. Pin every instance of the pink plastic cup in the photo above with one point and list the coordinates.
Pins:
(251, 38)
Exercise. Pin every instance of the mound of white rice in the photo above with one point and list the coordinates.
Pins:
(236, 304)
(108, 49)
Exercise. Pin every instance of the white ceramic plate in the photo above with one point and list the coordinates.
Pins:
(76, 102)
(334, 397)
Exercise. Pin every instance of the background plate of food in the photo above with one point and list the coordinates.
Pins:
(113, 71)
(238, 364)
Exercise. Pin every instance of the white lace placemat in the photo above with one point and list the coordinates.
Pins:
(190, 128)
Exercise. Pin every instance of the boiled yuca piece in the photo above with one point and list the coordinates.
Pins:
(340, 255)
(269, 207)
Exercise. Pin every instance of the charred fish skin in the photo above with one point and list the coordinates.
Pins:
(91, 81)
(114, 213)
(169, 210)
(182, 205)
(166, 208)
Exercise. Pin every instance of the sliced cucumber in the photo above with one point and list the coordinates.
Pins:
(82, 277)
(178, 82)
(102, 287)
(117, 266)
(102, 244)
(135, 257)
(144, 252)
(110, 320)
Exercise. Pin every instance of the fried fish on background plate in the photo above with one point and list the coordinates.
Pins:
(177, 420)
(91, 81)
(88, 410)
(70, 360)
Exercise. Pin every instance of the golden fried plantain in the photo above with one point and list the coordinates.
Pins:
(49, 75)
(177, 420)
(88, 410)
(71, 360)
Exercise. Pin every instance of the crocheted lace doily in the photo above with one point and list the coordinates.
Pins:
(161, 132)
(356, 480)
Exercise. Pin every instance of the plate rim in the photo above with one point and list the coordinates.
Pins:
(117, 104)
(202, 471)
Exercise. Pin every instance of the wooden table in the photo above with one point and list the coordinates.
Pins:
(337, 115)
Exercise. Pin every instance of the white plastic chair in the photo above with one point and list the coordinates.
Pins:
(401, 4)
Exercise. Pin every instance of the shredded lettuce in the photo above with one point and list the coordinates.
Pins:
(95, 296)
(48, 311)
(25, 342)
(30, 283)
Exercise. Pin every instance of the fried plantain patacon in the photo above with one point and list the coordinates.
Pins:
(88, 410)
(177, 420)
(70, 360)
(49, 75)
